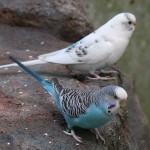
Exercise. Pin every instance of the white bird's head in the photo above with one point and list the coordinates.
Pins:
(123, 22)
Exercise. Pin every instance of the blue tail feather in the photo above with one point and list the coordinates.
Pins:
(35, 75)
(47, 85)
(44, 83)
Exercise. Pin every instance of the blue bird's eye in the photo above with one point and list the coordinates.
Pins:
(115, 97)
(109, 111)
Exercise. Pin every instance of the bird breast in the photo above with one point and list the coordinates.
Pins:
(120, 46)
(93, 118)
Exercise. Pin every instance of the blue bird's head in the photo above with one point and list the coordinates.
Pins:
(115, 99)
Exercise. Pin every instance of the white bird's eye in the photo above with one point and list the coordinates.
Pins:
(130, 22)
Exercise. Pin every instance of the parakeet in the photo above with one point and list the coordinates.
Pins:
(83, 108)
(98, 50)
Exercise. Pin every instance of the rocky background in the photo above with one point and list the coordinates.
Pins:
(29, 120)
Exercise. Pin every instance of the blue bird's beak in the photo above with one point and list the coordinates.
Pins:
(122, 103)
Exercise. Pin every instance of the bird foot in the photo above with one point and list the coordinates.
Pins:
(108, 71)
(97, 77)
(98, 135)
(72, 133)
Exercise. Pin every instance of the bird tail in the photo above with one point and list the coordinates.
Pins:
(45, 84)
(32, 73)
(54, 87)
(27, 63)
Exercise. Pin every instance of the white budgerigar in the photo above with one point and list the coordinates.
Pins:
(100, 49)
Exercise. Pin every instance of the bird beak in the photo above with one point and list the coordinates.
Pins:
(135, 24)
(122, 103)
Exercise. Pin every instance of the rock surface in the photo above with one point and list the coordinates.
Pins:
(28, 116)
(64, 17)
(138, 124)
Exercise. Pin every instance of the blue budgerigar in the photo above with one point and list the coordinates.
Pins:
(98, 50)
(82, 108)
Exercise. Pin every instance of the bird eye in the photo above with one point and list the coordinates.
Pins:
(130, 22)
(115, 96)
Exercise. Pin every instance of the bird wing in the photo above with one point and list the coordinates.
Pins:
(74, 102)
(91, 49)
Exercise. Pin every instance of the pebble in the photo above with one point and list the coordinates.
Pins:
(30, 56)
(45, 134)
(42, 43)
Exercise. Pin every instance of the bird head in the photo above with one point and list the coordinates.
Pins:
(123, 22)
(116, 99)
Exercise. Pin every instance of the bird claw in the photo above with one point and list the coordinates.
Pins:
(97, 134)
(108, 71)
(97, 77)
(100, 137)
(72, 133)
(101, 78)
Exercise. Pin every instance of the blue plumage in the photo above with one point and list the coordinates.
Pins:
(85, 109)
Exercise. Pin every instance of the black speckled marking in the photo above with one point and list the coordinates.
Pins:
(80, 47)
(96, 41)
(68, 50)
(78, 53)
(84, 52)
(81, 52)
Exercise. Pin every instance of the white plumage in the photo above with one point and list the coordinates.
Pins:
(97, 50)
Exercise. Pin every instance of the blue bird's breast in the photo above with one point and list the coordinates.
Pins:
(94, 117)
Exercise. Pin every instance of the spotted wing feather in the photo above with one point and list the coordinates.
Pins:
(91, 49)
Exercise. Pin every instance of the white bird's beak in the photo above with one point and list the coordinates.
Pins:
(134, 23)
